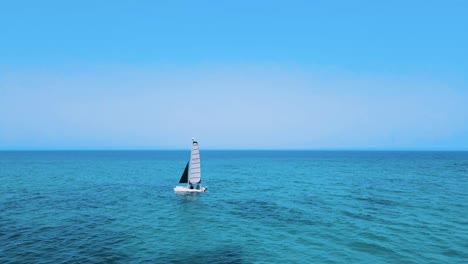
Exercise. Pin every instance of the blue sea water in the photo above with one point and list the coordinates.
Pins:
(261, 207)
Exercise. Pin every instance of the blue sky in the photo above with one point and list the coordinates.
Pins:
(234, 74)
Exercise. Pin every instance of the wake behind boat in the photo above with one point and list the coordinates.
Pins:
(192, 172)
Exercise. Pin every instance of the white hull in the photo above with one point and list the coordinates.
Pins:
(187, 189)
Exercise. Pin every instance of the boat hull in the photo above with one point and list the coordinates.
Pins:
(187, 189)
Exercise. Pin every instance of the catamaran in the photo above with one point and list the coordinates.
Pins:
(192, 172)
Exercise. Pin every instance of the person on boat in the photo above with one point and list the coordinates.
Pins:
(191, 186)
(198, 186)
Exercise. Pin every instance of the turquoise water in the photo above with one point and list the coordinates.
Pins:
(261, 207)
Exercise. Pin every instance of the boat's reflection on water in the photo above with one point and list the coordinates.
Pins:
(189, 196)
(190, 211)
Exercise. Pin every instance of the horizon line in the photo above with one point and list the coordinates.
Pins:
(242, 149)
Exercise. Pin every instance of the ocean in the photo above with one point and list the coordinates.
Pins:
(260, 207)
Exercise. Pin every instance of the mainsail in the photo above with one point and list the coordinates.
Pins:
(195, 172)
(184, 178)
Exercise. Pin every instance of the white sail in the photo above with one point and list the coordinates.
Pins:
(194, 174)
(195, 171)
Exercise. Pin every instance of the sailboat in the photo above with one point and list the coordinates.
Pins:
(192, 172)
